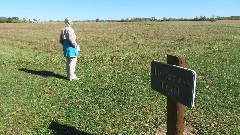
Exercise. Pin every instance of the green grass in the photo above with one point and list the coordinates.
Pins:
(113, 95)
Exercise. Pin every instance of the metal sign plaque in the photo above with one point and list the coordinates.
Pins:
(173, 81)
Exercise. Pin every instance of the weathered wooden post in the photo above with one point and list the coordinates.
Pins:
(175, 110)
(176, 82)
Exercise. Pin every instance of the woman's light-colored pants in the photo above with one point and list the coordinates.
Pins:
(71, 67)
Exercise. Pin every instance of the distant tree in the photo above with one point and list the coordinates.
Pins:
(213, 18)
(24, 20)
(3, 19)
(196, 18)
(15, 18)
(218, 18)
(9, 20)
(122, 20)
(97, 20)
(203, 18)
(153, 19)
(164, 19)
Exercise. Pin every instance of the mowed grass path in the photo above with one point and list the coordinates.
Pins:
(113, 95)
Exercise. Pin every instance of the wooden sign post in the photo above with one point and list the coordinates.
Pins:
(175, 110)
(176, 82)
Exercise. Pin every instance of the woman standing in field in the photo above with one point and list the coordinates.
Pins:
(69, 44)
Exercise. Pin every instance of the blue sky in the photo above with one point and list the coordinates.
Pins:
(117, 9)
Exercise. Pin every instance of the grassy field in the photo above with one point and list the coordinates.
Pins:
(113, 95)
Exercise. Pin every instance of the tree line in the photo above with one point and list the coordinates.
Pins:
(197, 18)
(12, 20)
(200, 18)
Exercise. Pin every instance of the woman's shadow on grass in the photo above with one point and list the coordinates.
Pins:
(43, 73)
(62, 129)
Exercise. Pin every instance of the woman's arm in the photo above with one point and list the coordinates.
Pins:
(60, 38)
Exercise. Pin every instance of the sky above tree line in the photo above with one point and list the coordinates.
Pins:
(46, 10)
